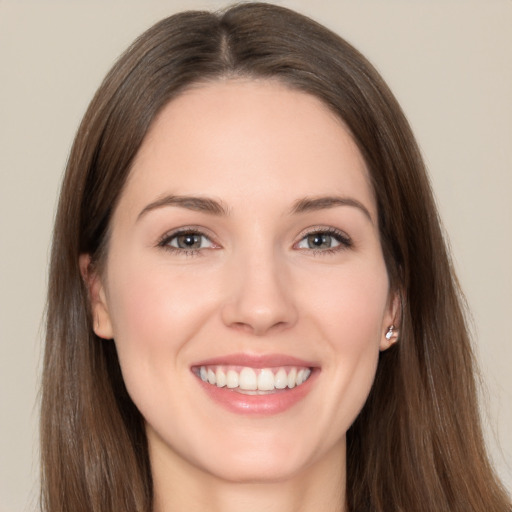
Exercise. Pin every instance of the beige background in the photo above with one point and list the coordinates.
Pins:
(450, 64)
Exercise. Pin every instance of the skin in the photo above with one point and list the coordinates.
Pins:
(255, 287)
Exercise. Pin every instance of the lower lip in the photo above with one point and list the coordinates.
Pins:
(272, 403)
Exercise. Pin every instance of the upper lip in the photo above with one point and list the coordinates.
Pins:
(256, 361)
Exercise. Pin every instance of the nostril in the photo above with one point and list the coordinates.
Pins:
(241, 326)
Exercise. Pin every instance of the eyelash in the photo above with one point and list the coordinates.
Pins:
(344, 241)
(165, 241)
(342, 238)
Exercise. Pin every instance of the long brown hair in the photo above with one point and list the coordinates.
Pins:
(417, 444)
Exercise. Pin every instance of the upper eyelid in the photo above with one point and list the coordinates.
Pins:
(323, 229)
(165, 242)
(199, 230)
(344, 240)
(172, 233)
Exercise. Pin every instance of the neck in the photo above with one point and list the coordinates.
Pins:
(320, 486)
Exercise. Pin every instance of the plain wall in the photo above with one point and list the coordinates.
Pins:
(450, 65)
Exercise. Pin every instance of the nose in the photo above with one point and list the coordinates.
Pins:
(259, 296)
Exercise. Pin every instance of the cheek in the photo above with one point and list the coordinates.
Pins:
(353, 306)
(359, 310)
(351, 316)
(153, 314)
(149, 303)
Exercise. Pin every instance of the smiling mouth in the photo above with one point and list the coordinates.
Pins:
(253, 381)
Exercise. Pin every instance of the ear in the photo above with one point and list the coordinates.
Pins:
(102, 325)
(392, 322)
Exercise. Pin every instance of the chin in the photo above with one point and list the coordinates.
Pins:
(257, 468)
(259, 457)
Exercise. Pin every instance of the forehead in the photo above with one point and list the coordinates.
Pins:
(248, 138)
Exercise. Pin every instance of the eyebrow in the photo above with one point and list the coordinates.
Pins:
(214, 207)
(309, 204)
(198, 204)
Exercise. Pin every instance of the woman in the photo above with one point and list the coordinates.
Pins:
(251, 305)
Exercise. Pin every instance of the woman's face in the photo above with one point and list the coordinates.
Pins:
(245, 286)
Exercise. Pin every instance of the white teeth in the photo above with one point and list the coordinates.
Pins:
(266, 380)
(231, 379)
(281, 379)
(248, 379)
(221, 378)
(292, 378)
(251, 379)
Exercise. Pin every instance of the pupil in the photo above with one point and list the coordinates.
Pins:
(190, 241)
(319, 240)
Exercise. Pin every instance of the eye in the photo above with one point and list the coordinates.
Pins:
(324, 240)
(187, 241)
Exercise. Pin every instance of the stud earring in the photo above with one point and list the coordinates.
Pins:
(391, 332)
